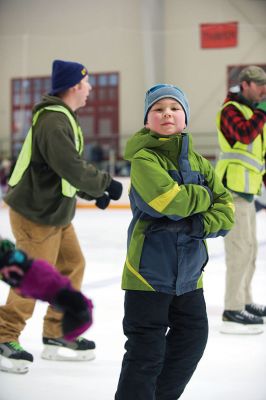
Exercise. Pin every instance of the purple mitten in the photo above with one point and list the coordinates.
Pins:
(42, 281)
(77, 313)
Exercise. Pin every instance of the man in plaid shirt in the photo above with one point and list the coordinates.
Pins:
(241, 125)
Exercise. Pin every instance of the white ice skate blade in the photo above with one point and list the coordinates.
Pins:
(56, 353)
(13, 366)
(234, 328)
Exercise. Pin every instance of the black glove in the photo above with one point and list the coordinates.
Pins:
(76, 308)
(13, 264)
(259, 206)
(6, 245)
(114, 189)
(103, 202)
(164, 224)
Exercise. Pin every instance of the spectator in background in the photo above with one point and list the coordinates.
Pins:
(5, 167)
(242, 133)
(97, 154)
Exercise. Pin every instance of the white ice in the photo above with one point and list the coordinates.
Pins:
(233, 367)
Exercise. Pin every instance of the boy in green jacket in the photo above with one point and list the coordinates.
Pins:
(177, 201)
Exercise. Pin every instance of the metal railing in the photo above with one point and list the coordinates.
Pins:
(111, 159)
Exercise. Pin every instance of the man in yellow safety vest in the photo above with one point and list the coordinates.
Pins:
(47, 177)
(242, 139)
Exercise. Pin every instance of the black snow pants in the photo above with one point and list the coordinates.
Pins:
(166, 338)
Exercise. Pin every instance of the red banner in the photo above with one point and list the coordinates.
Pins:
(215, 36)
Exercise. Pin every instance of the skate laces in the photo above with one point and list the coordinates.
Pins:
(16, 346)
(258, 307)
(246, 314)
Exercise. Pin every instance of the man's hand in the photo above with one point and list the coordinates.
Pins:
(115, 189)
(103, 201)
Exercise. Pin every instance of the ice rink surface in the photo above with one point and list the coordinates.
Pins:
(233, 366)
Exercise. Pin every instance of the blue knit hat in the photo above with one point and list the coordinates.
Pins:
(66, 74)
(162, 91)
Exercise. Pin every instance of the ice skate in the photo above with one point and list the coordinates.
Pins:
(241, 323)
(62, 350)
(13, 358)
(257, 309)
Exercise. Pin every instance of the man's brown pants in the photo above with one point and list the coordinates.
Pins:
(57, 245)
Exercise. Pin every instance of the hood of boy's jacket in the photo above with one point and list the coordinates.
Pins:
(151, 140)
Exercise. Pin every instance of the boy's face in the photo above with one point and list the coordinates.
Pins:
(166, 117)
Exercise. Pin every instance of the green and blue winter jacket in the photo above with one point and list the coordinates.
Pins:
(170, 180)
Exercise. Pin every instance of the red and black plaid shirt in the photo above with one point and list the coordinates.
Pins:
(235, 127)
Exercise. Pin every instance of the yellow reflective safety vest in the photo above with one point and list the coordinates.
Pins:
(243, 164)
(24, 157)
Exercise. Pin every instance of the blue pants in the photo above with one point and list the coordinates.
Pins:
(166, 338)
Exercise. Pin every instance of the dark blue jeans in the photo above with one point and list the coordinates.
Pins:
(166, 338)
